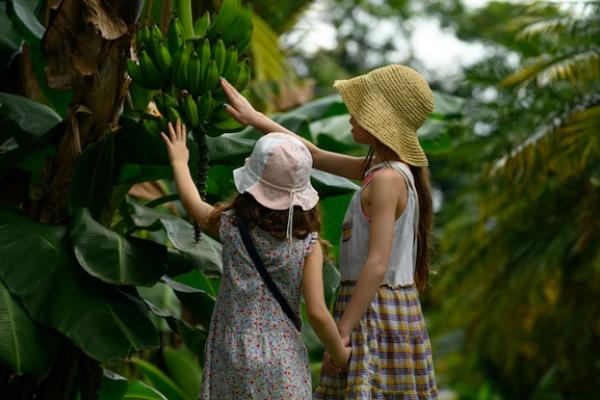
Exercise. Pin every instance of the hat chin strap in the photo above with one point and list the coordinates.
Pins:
(290, 223)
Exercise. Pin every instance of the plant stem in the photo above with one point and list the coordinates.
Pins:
(201, 172)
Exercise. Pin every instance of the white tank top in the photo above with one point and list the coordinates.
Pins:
(355, 235)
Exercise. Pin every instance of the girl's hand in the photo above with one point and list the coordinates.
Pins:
(237, 106)
(328, 366)
(341, 362)
(176, 143)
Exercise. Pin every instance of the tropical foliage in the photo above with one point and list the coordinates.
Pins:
(518, 253)
(107, 295)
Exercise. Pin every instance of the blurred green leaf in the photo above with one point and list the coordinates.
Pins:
(112, 258)
(24, 346)
(184, 369)
(137, 390)
(159, 380)
(112, 386)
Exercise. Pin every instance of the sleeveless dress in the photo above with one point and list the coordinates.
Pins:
(391, 352)
(253, 350)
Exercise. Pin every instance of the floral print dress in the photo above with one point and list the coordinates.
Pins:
(253, 350)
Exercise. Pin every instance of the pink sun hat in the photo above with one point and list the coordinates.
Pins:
(277, 173)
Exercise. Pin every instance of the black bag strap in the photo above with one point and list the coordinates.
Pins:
(247, 239)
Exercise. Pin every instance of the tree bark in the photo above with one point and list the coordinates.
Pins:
(86, 44)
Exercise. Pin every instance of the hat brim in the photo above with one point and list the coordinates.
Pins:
(271, 197)
(376, 119)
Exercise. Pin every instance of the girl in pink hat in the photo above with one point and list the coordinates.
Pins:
(384, 259)
(271, 256)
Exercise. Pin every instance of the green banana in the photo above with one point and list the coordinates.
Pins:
(228, 125)
(163, 60)
(243, 44)
(151, 125)
(159, 101)
(170, 101)
(173, 114)
(203, 51)
(142, 38)
(205, 104)
(243, 75)
(212, 76)
(223, 21)
(201, 25)
(220, 55)
(157, 34)
(240, 26)
(194, 73)
(231, 64)
(190, 110)
(218, 113)
(136, 74)
(182, 76)
(175, 35)
(151, 74)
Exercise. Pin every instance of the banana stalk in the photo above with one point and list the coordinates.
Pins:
(201, 172)
(184, 7)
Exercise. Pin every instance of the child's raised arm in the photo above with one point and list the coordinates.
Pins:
(242, 111)
(179, 156)
(319, 317)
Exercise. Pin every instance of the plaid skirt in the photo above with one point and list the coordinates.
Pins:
(391, 353)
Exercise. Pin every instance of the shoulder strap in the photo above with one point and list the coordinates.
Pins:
(249, 244)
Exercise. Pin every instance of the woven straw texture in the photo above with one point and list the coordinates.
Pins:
(391, 103)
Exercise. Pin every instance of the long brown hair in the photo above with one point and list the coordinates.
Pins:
(423, 188)
(272, 221)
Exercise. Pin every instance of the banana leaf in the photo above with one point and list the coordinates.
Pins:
(105, 323)
(25, 347)
(204, 255)
(184, 370)
(159, 379)
(112, 258)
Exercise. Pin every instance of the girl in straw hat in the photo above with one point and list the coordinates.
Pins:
(384, 253)
(271, 254)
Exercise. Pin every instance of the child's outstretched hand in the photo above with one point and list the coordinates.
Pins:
(237, 106)
(176, 143)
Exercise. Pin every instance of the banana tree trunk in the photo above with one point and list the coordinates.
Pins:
(86, 44)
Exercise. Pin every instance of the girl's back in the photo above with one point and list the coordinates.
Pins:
(253, 349)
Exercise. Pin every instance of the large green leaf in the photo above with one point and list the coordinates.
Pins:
(23, 15)
(113, 258)
(24, 346)
(112, 387)
(24, 119)
(184, 369)
(137, 390)
(331, 185)
(93, 177)
(198, 302)
(159, 379)
(103, 322)
(194, 337)
(10, 37)
(204, 255)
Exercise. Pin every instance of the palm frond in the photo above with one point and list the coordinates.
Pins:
(573, 27)
(270, 63)
(577, 66)
(562, 150)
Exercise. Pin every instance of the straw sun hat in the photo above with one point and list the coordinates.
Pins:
(391, 103)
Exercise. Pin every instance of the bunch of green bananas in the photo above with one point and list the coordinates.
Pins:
(186, 65)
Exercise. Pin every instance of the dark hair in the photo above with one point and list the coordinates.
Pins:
(423, 188)
(272, 221)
